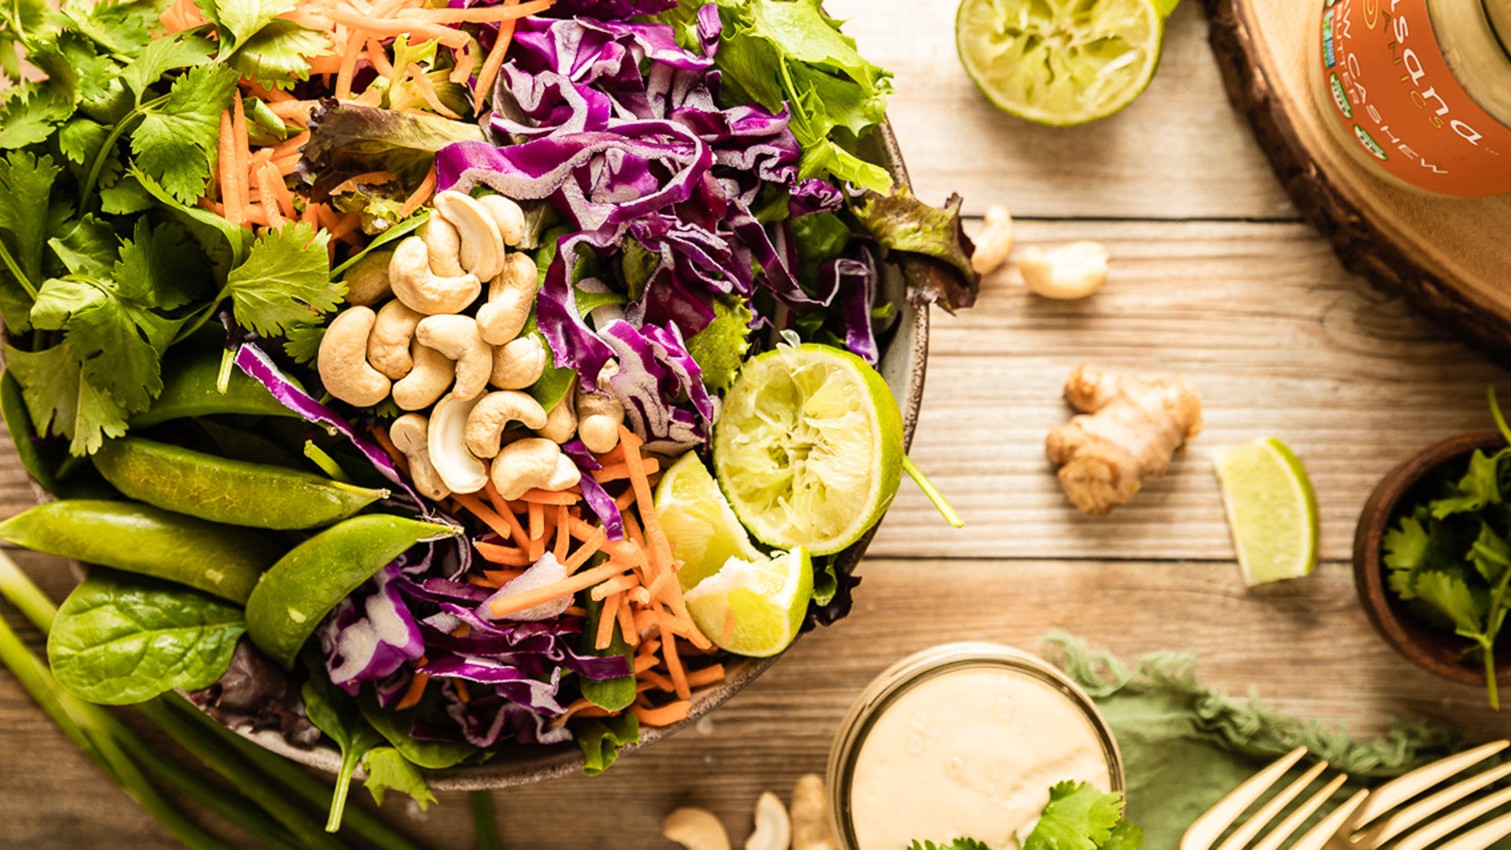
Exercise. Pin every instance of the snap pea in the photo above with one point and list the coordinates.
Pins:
(231, 491)
(189, 389)
(138, 538)
(296, 593)
(23, 435)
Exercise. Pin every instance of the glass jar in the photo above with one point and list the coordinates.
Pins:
(1419, 91)
(1004, 707)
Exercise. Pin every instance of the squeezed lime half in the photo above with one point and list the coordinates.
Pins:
(809, 449)
(1272, 510)
(698, 522)
(754, 608)
(1061, 62)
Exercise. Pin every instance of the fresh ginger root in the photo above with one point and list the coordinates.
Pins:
(1128, 430)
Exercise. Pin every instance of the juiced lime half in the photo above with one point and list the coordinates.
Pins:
(1061, 62)
(809, 447)
(703, 531)
(754, 607)
(1272, 510)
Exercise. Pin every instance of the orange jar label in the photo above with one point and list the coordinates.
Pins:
(1396, 96)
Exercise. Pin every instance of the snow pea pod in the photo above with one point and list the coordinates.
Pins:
(296, 593)
(230, 491)
(189, 389)
(138, 538)
(18, 419)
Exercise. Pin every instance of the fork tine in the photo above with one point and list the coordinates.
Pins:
(1482, 836)
(1424, 837)
(1403, 788)
(1403, 819)
(1266, 813)
(1283, 830)
(1209, 826)
(1327, 828)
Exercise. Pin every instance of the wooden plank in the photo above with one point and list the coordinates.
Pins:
(1278, 338)
(1305, 645)
(1177, 152)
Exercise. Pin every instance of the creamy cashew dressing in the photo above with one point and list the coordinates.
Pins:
(970, 752)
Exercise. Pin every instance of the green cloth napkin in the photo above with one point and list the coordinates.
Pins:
(1185, 745)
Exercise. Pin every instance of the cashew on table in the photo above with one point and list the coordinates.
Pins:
(417, 332)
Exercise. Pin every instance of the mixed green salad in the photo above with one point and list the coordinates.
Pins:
(448, 377)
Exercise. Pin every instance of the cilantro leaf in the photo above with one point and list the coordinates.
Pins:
(61, 401)
(1491, 554)
(123, 28)
(1452, 597)
(124, 197)
(277, 56)
(20, 22)
(25, 191)
(162, 55)
(1127, 836)
(302, 342)
(957, 844)
(1078, 817)
(239, 19)
(285, 281)
(176, 142)
(1479, 487)
(388, 769)
(88, 247)
(80, 139)
(31, 113)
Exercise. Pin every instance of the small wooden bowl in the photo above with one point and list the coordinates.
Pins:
(1433, 649)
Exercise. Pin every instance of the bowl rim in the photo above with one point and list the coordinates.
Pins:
(1414, 640)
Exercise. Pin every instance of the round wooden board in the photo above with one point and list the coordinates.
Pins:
(1449, 257)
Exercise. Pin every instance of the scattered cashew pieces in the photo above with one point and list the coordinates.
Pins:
(994, 242)
(342, 361)
(410, 436)
(532, 463)
(492, 415)
(482, 252)
(695, 829)
(1066, 272)
(810, 816)
(444, 245)
(367, 281)
(511, 294)
(459, 470)
(599, 415)
(561, 421)
(773, 829)
(388, 344)
(421, 289)
(457, 337)
(518, 363)
(507, 215)
(431, 376)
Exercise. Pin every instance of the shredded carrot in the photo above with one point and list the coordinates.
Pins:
(656, 680)
(537, 521)
(583, 706)
(646, 662)
(540, 595)
(462, 694)
(378, 27)
(552, 497)
(348, 68)
(466, 60)
(607, 619)
(483, 90)
(669, 654)
(585, 551)
(627, 625)
(581, 528)
(729, 624)
(563, 534)
(232, 191)
(474, 506)
(420, 195)
(478, 14)
(575, 611)
(377, 55)
(621, 471)
(480, 581)
(371, 178)
(666, 715)
(508, 556)
(293, 110)
(499, 578)
(416, 690)
(706, 676)
(625, 499)
(613, 587)
(427, 91)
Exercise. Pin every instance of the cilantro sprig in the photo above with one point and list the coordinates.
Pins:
(1077, 817)
(1449, 556)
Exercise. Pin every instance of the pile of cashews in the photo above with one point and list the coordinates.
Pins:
(408, 334)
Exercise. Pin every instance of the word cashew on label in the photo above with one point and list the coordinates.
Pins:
(1396, 95)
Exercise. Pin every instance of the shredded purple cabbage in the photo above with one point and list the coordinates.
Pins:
(368, 638)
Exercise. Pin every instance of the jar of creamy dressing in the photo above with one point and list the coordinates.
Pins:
(963, 740)
(1419, 91)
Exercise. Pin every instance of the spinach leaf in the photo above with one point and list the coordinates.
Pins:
(336, 714)
(122, 639)
(602, 738)
(395, 728)
(610, 694)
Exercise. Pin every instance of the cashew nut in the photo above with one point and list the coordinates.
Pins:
(599, 415)
(367, 281)
(507, 215)
(410, 436)
(388, 344)
(493, 413)
(421, 289)
(561, 421)
(511, 294)
(695, 829)
(444, 245)
(1070, 271)
(482, 245)
(518, 363)
(532, 463)
(810, 816)
(994, 242)
(459, 470)
(343, 362)
(427, 381)
(457, 338)
(773, 829)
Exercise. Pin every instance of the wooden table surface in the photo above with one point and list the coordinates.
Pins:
(1213, 276)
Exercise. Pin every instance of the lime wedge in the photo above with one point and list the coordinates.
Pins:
(754, 607)
(703, 531)
(1060, 62)
(809, 447)
(1272, 510)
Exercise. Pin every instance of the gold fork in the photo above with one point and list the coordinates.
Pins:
(1368, 819)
